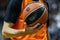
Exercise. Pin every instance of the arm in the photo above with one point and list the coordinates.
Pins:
(12, 13)
(8, 32)
(10, 20)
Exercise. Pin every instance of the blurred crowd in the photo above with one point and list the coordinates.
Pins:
(54, 17)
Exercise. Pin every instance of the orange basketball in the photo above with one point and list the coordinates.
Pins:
(35, 12)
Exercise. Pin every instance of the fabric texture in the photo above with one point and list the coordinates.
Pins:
(13, 10)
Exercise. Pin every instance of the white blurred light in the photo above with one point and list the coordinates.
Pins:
(57, 18)
(54, 6)
(58, 25)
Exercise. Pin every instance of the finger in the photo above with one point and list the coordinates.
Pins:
(36, 25)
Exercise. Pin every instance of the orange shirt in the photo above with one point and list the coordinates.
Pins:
(40, 35)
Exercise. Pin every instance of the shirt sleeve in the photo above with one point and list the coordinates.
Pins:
(13, 10)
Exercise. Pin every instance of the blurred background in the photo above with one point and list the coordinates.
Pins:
(54, 18)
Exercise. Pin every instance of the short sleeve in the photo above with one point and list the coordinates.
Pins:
(13, 10)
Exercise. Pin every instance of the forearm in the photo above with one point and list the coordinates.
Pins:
(8, 31)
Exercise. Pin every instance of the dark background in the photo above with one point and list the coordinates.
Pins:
(54, 18)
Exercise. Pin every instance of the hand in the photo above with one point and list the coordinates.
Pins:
(9, 32)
